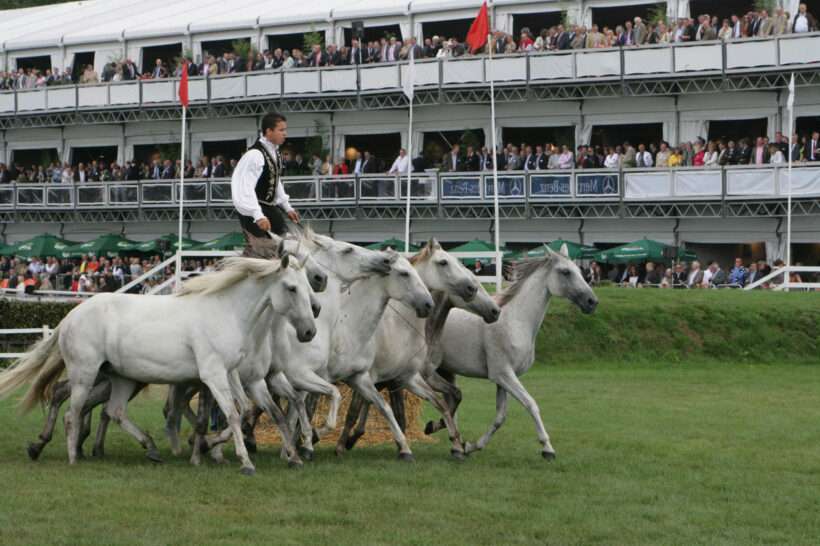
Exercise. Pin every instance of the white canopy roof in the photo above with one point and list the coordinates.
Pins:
(96, 21)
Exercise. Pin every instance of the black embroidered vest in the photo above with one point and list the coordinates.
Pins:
(271, 171)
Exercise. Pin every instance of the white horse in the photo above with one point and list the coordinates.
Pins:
(404, 341)
(344, 347)
(505, 350)
(195, 335)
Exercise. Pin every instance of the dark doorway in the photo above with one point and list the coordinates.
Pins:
(383, 147)
(457, 29)
(41, 63)
(806, 254)
(807, 125)
(535, 136)
(86, 154)
(290, 42)
(229, 149)
(218, 47)
(535, 22)
(723, 9)
(613, 135)
(618, 15)
(81, 60)
(168, 54)
(146, 153)
(438, 143)
(737, 129)
(375, 33)
(34, 158)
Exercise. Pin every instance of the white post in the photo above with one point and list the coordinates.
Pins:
(178, 272)
(499, 264)
(790, 109)
(409, 176)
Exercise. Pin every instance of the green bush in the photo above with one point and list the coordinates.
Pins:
(31, 314)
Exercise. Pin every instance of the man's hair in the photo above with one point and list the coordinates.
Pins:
(270, 121)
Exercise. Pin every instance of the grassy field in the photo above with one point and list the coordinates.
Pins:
(663, 437)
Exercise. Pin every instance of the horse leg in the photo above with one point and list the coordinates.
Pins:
(100, 397)
(261, 396)
(363, 383)
(85, 432)
(249, 425)
(216, 379)
(512, 385)
(281, 387)
(310, 382)
(420, 388)
(201, 426)
(81, 386)
(60, 393)
(346, 441)
(397, 405)
(445, 384)
(500, 417)
(121, 392)
(177, 406)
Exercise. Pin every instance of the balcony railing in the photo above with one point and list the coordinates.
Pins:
(433, 188)
(666, 60)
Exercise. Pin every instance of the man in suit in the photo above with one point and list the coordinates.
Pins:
(679, 276)
(643, 158)
(737, 28)
(529, 159)
(81, 174)
(803, 21)
(732, 155)
(563, 40)
(5, 175)
(132, 172)
(765, 26)
(317, 57)
(744, 156)
(429, 51)
(640, 33)
(541, 159)
(760, 155)
(420, 163)
(159, 70)
(472, 163)
(579, 41)
(357, 56)
(813, 147)
(219, 169)
(794, 149)
(168, 170)
(370, 164)
(413, 49)
(695, 277)
(333, 56)
(452, 161)
(129, 70)
(390, 51)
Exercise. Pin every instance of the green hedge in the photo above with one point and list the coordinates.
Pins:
(632, 326)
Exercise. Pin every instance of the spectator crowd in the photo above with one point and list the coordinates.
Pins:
(561, 37)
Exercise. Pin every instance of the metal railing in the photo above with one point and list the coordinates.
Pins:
(45, 331)
(435, 188)
(678, 59)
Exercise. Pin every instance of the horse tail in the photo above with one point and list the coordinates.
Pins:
(41, 367)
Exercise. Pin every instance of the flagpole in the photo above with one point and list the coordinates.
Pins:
(789, 190)
(178, 272)
(499, 265)
(411, 75)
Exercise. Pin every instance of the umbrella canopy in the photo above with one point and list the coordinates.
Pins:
(477, 245)
(166, 243)
(645, 250)
(395, 244)
(229, 241)
(7, 250)
(111, 244)
(43, 245)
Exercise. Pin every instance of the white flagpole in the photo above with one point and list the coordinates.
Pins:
(789, 190)
(178, 272)
(499, 264)
(411, 95)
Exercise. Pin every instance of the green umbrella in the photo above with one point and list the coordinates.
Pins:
(166, 243)
(111, 244)
(645, 250)
(7, 250)
(43, 245)
(395, 244)
(576, 251)
(230, 241)
(477, 245)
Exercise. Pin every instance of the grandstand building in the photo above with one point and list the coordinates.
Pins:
(602, 96)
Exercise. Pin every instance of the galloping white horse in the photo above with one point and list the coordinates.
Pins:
(404, 342)
(503, 351)
(343, 349)
(198, 334)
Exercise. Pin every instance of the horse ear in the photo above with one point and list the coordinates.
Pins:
(285, 261)
(280, 250)
(433, 244)
(565, 250)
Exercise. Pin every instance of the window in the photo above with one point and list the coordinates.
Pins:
(737, 129)
(229, 149)
(383, 147)
(146, 153)
(41, 63)
(218, 47)
(535, 22)
(168, 54)
(613, 135)
(375, 33)
(457, 29)
(81, 60)
(723, 9)
(535, 136)
(87, 154)
(290, 42)
(438, 143)
(614, 16)
(34, 158)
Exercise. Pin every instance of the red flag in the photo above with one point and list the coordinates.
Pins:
(479, 30)
(183, 85)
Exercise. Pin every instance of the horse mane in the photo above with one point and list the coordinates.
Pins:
(522, 271)
(230, 272)
(422, 256)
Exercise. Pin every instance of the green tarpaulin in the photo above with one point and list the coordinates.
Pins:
(645, 250)
(166, 243)
(109, 245)
(230, 241)
(43, 246)
(477, 245)
(395, 244)
(7, 250)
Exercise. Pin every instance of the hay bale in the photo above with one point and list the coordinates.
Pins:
(377, 430)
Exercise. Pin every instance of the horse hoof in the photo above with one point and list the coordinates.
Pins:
(407, 457)
(349, 444)
(315, 438)
(429, 428)
(548, 455)
(247, 471)
(153, 455)
(469, 448)
(33, 452)
(296, 465)
(457, 455)
(306, 454)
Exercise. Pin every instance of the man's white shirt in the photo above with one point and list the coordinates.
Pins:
(400, 165)
(244, 179)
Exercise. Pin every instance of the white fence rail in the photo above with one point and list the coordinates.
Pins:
(45, 331)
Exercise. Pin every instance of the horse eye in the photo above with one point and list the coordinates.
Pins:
(404, 274)
(565, 272)
(292, 288)
(443, 263)
(348, 250)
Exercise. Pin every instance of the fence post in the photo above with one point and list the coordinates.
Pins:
(46, 331)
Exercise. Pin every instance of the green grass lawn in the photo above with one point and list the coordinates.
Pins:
(650, 453)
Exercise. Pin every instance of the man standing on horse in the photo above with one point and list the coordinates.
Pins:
(256, 185)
